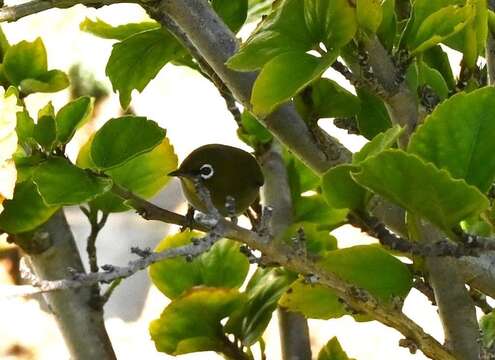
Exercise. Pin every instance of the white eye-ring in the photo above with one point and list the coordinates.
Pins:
(206, 171)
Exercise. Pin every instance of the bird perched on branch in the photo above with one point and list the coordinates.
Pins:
(227, 172)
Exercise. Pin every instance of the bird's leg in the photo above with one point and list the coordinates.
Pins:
(250, 214)
(230, 206)
(189, 222)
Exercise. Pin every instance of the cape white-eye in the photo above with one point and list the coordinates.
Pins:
(226, 172)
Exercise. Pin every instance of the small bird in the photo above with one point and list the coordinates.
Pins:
(226, 172)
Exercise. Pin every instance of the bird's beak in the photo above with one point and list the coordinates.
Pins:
(177, 173)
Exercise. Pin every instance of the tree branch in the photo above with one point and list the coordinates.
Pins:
(81, 324)
(473, 246)
(455, 305)
(294, 331)
(16, 12)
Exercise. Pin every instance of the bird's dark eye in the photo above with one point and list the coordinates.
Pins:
(206, 171)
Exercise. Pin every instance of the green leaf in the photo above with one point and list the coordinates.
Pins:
(332, 22)
(222, 266)
(48, 82)
(487, 326)
(421, 10)
(254, 128)
(373, 117)
(314, 301)
(281, 31)
(25, 126)
(387, 31)
(135, 61)
(47, 110)
(297, 26)
(301, 177)
(61, 183)
(420, 187)
(191, 323)
(332, 351)
(232, 12)
(437, 59)
(71, 117)
(369, 15)
(379, 143)
(45, 132)
(122, 139)
(370, 268)
(25, 60)
(458, 137)
(263, 291)
(327, 99)
(316, 210)
(284, 76)
(439, 26)
(106, 31)
(433, 78)
(26, 211)
(144, 175)
(340, 190)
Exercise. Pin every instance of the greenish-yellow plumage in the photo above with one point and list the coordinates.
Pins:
(225, 171)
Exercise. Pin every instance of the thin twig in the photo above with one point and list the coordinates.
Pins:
(16, 12)
(472, 245)
(108, 292)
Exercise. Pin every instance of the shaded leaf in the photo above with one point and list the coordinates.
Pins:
(71, 117)
(191, 323)
(232, 12)
(327, 99)
(61, 183)
(340, 190)
(284, 76)
(387, 31)
(106, 31)
(122, 139)
(263, 291)
(437, 59)
(373, 117)
(458, 137)
(25, 126)
(26, 211)
(420, 188)
(45, 132)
